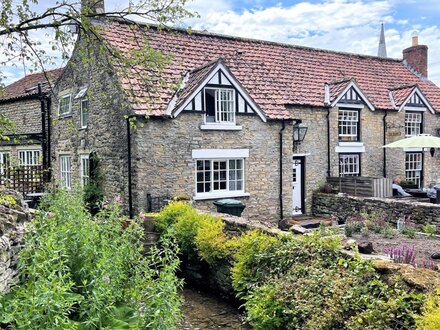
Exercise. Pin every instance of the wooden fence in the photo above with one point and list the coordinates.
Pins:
(25, 179)
(362, 186)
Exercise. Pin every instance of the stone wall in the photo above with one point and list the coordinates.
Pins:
(106, 133)
(26, 114)
(13, 219)
(346, 206)
(163, 163)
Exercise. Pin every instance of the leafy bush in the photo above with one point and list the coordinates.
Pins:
(348, 296)
(185, 228)
(169, 215)
(409, 232)
(430, 319)
(78, 271)
(429, 229)
(212, 243)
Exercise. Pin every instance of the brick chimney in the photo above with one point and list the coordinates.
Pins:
(94, 6)
(416, 56)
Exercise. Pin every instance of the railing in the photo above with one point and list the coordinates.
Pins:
(25, 179)
(362, 186)
(155, 204)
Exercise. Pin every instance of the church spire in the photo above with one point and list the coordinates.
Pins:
(382, 51)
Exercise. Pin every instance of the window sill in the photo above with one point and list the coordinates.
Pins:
(67, 115)
(83, 128)
(220, 195)
(220, 127)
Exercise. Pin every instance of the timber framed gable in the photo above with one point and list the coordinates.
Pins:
(192, 96)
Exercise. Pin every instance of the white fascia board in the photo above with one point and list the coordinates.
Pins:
(356, 88)
(173, 101)
(219, 153)
(422, 97)
(234, 83)
(350, 105)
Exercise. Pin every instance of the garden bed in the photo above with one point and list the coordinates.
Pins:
(424, 245)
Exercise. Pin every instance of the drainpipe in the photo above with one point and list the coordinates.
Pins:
(43, 125)
(283, 126)
(49, 130)
(384, 142)
(130, 196)
(328, 141)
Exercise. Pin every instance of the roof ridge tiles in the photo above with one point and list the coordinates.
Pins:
(256, 41)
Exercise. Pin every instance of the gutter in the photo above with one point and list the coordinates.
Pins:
(384, 119)
(283, 126)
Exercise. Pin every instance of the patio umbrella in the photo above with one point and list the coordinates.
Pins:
(418, 141)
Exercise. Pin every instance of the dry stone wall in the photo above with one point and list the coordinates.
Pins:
(346, 206)
(13, 219)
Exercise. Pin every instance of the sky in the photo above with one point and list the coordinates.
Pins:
(341, 25)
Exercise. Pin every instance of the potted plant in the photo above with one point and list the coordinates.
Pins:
(408, 184)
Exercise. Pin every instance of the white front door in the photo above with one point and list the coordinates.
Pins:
(297, 186)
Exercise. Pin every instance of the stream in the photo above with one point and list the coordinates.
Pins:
(202, 310)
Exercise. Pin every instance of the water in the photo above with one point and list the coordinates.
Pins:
(203, 310)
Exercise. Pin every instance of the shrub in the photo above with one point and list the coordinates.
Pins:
(348, 296)
(387, 231)
(211, 241)
(430, 318)
(186, 228)
(429, 229)
(78, 271)
(353, 228)
(409, 232)
(169, 215)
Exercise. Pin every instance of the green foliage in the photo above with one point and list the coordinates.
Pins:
(83, 272)
(212, 243)
(353, 228)
(186, 228)
(430, 319)
(387, 231)
(408, 231)
(170, 214)
(429, 229)
(7, 127)
(347, 296)
(7, 200)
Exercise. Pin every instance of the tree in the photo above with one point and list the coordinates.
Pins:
(24, 22)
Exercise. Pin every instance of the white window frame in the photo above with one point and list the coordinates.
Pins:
(29, 157)
(84, 123)
(414, 167)
(69, 106)
(219, 105)
(349, 164)
(413, 123)
(84, 169)
(220, 155)
(5, 160)
(66, 171)
(348, 122)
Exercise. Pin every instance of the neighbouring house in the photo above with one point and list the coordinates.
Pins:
(234, 125)
(26, 102)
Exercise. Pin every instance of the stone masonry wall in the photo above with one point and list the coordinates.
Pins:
(346, 206)
(26, 114)
(106, 130)
(163, 164)
(13, 219)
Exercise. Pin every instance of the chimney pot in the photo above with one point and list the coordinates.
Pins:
(415, 40)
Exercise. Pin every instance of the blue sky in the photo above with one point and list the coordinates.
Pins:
(341, 25)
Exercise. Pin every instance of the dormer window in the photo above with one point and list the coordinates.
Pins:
(413, 123)
(220, 105)
(348, 124)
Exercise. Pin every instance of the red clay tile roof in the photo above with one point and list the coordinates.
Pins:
(195, 77)
(27, 86)
(273, 74)
(400, 94)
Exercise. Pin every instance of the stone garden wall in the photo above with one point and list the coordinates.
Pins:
(13, 219)
(345, 206)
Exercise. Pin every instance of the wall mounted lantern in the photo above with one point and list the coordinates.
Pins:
(299, 133)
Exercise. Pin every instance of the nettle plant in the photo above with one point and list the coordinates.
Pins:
(82, 272)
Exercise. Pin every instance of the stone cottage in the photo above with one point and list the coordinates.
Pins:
(26, 102)
(228, 116)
